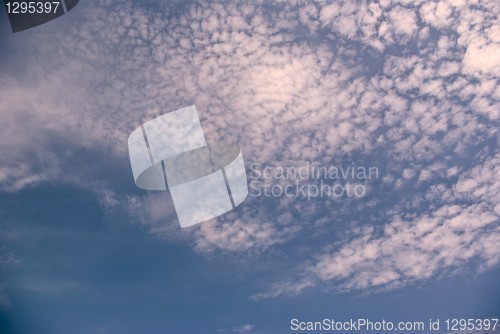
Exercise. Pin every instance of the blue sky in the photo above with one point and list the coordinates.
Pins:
(408, 87)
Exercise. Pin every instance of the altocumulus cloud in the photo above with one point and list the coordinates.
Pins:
(410, 85)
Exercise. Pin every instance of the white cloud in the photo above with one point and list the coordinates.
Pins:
(403, 21)
(236, 234)
(286, 288)
(248, 328)
(437, 14)
(414, 248)
(482, 58)
(481, 183)
(421, 107)
(480, 35)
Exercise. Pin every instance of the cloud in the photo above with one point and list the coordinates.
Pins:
(5, 302)
(232, 63)
(403, 24)
(445, 238)
(437, 14)
(481, 183)
(480, 35)
(248, 328)
(155, 212)
(247, 233)
(286, 288)
(414, 248)
(324, 83)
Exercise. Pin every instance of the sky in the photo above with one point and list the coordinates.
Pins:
(409, 88)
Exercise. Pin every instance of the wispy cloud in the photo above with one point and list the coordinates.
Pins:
(248, 328)
(5, 302)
